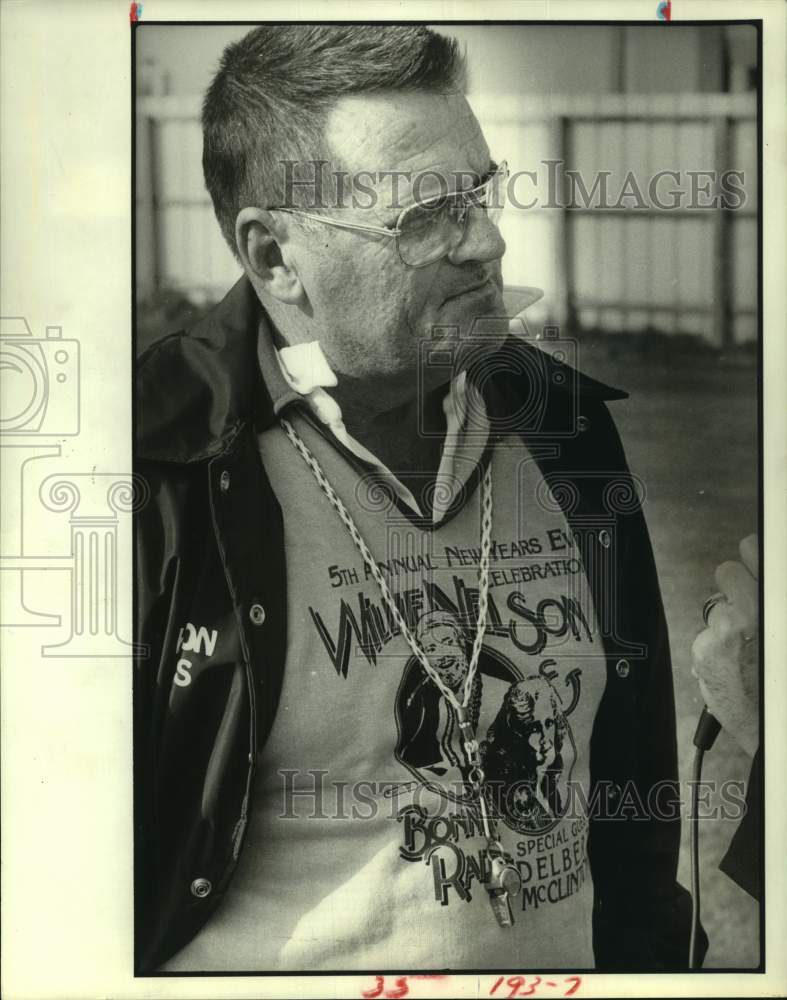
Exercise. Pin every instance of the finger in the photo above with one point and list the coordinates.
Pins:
(713, 602)
(728, 624)
(750, 554)
(702, 652)
(739, 587)
(721, 640)
(707, 697)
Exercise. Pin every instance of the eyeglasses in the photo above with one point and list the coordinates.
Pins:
(430, 229)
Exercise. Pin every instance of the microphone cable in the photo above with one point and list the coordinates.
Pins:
(705, 736)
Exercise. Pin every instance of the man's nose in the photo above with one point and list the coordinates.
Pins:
(481, 240)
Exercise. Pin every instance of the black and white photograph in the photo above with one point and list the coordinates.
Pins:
(447, 403)
(393, 541)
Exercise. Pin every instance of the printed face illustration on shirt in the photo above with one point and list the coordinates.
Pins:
(430, 743)
(526, 745)
(440, 637)
(535, 714)
(529, 751)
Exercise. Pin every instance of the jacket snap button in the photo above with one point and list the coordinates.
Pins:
(622, 667)
(257, 614)
(583, 423)
(604, 538)
(224, 481)
(614, 792)
(201, 887)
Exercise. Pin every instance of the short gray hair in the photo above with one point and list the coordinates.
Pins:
(274, 88)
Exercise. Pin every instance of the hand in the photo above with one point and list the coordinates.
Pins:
(725, 654)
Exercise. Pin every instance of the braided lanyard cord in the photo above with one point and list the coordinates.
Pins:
(374, 569)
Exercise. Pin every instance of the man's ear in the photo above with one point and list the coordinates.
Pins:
(261, 240)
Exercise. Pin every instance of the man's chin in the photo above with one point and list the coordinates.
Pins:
(461, 343)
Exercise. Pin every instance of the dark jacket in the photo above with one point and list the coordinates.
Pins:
(210, 553)
(743, 860)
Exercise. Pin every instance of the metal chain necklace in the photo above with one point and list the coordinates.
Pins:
(503, 880)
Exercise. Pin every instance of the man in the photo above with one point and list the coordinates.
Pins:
(263, 434)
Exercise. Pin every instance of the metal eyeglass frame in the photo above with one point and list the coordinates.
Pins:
(395, 231)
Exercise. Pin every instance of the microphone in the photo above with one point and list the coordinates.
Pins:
(707, 730)
(708, 726)
(705, 736)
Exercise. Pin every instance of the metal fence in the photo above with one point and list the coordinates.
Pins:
(627, 266)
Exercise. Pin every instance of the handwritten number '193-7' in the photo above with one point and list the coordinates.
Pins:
(520, 986)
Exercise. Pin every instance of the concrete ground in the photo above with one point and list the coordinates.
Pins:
(690, 432)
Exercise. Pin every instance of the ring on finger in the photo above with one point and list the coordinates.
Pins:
(710, 604)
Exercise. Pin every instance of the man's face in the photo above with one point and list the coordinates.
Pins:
(446, 653)
(371, 309)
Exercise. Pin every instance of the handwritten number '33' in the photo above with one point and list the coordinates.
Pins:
(400, 989)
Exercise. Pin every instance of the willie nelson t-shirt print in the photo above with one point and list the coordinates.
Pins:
(366, 846)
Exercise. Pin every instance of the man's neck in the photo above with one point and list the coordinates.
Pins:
(407, 438)
(388, 417)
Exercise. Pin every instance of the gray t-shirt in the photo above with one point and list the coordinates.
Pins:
(364, 849)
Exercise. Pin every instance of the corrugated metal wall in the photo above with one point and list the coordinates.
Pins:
(689, 270)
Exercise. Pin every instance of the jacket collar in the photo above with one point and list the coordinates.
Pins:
(195, 389)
